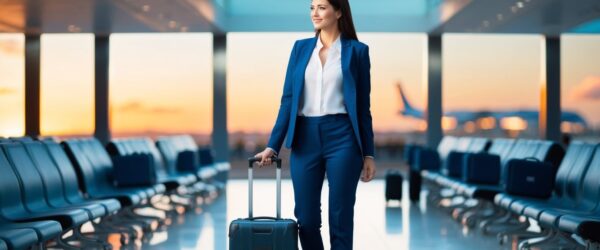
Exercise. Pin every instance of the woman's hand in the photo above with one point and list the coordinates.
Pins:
(265, 156)
(368, 172)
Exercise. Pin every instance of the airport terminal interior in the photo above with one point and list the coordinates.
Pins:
(131, 124)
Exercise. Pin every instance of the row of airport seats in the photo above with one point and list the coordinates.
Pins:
(50, 190)
(502, 185)
(179, 150)
(572, 208)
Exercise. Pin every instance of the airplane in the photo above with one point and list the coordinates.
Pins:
(516, 120)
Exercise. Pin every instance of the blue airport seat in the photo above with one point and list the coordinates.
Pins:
(460, 146)
(17, 238)
(130, 146)
(568, 180)
(25, 176)
(452, 170)
(452, 151)
(52, 181)
(173, 148)
(424, 163)
(45, 229)
(505, 200)
(541, 150)
(100, 159)
(170, 157)
(586, 223)
(70, 182)
(443, 149)
(443, 166)
(184, 179)
(12, 206)
(586, 196)
(101, 162)
(95, 182)
(206, 153)
(574, 207)
(186, 142)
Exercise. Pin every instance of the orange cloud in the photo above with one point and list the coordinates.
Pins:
(6, 91)
(588, 89)
(138, 107)
(12, 47)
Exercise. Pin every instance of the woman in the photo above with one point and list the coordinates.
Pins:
(325, 114)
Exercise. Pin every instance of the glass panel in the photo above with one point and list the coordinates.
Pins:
(161, 84)
(67, 84)
(580, 90)
(256, 66)
(492, 84)
(398, 66)
(12, 85)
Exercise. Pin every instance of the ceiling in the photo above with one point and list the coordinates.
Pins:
(550, 17)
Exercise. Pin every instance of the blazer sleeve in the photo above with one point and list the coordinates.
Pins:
(283, 117)
(364, 102)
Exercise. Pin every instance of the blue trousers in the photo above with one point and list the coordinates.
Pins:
(322, 146)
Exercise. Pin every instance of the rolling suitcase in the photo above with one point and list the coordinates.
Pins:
(264, 233)
(393, 185)
(414, 185)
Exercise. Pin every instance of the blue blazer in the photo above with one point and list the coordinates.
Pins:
(356, 86)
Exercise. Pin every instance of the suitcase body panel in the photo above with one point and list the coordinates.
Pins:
(263, 233)
(187, 161)
(414, 185)
(530, 178)
(453, 165)
(481, 168)
(134, 170)
(393, 185)
(280, 234)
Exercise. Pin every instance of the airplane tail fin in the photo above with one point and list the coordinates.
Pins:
(408, 109)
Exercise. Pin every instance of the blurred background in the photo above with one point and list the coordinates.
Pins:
(161, 73)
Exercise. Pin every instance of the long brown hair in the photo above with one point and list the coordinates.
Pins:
(345, 23)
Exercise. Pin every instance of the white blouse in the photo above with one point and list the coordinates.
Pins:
(323, 83)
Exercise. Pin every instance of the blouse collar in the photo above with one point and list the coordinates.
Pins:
(337, 45)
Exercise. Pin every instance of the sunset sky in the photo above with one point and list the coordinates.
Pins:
(163, 82)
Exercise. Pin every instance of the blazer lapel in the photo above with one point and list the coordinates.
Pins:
(346, 56)
(305, 55)
(348, 84)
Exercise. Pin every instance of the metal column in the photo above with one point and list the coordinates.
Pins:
(434, 92)
(32, 85)
(550, 110)
(219, 134)
(102, 122)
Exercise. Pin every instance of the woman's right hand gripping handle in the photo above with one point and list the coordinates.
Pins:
(265, 156)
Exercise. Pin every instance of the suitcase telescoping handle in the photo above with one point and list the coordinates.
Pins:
(251, 162)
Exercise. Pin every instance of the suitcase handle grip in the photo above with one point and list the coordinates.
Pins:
(531, 158)
(251, 162)
(263, 218)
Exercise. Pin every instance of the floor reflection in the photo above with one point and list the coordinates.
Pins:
(399, 225)
(393, 220)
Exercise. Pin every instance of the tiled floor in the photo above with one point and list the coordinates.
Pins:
(408, 226)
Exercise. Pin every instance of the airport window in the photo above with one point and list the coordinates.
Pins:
(67, 85)
(256, 66)
(12, 85)
(161, 84)
(580, 89)
(398, 66)
(491, 84)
